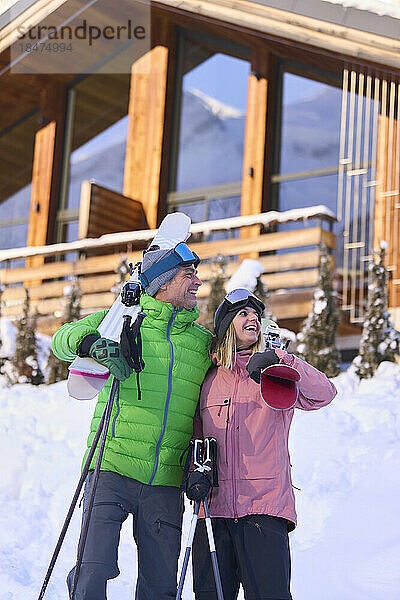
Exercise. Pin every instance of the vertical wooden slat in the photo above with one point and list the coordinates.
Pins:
(145, 130)
(381, 171)
(386, 222)
(396, 223)
(255, 138)
(41, 190)
(84, 209)
(46, 174)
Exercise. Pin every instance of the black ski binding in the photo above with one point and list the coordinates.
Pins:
(131, 290)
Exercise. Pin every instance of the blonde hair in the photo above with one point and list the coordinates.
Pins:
(226, 350)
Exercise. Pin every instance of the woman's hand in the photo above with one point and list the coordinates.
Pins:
(197, 486)
(260, 361)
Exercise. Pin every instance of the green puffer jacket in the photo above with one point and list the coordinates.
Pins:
(146, 438)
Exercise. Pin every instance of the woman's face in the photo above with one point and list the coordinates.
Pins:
(247, 327)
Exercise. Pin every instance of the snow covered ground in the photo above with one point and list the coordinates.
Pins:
(345, 459)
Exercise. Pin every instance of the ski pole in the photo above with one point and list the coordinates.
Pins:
(204, 458)
(189, 544)
(85, 527)
(213, 551)
(72, 505)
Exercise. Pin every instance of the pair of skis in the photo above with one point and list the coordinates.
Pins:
(279, 382)
(86, 376)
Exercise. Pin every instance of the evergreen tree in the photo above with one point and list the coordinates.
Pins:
(57, 370)
(379, 340)
(318, 335)
(2, 358)
(24, 363)
(122, 271)
(217, 290)
(261, 292)
(72, 301)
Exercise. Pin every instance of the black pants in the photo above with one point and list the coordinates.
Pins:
(157, 525)
(253, 551)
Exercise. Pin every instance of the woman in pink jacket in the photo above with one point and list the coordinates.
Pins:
(253, 508)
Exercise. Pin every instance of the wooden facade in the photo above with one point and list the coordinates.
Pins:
(270, 35)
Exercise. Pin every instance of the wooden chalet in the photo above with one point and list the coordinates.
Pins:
(56, 105)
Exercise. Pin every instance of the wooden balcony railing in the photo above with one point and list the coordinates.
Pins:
(290, 276)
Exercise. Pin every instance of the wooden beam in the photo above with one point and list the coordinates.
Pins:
(145, 130)
(283, 307)
(295, 30)
(387, 204)
(88, 285)
(88, 266)
(275, 263)
(266, 242)
(275, 281)
(41, 190)
(291, 279)
(47, 163)
(255, 136)
(53, 306)
(163, 31)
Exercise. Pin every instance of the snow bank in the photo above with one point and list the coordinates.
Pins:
(345, 460)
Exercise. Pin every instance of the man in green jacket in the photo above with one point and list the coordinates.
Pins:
(151, 425)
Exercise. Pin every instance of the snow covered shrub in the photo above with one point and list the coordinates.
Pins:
(379, 340)
(57, 370)
(72, 301)
(317, 339)
(122, 271)
(262, 294)
(248, 276)
(217, 290)
(1, 342)
(24, 365)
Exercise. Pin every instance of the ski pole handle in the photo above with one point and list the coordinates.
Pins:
(212, 453)
(198, 453)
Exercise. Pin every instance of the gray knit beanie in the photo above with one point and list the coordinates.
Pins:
(150, 258)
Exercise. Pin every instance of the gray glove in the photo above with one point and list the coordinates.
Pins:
(109, 354)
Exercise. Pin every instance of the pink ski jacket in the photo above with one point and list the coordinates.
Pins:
(253, 456)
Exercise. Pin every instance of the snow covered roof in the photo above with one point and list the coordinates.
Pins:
(373, 16)
(379, 7)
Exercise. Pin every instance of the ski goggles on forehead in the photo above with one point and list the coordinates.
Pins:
(241, 297)
(180, 256)
(184, 255)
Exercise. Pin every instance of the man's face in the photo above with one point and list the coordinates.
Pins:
(181, 289)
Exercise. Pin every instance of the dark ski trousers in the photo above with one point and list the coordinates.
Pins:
(252, 551)
(157, 526)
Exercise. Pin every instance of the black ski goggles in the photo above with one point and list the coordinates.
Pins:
(180, 256)
(240, 298)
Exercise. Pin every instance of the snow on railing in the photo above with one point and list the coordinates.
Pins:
(112, 239)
